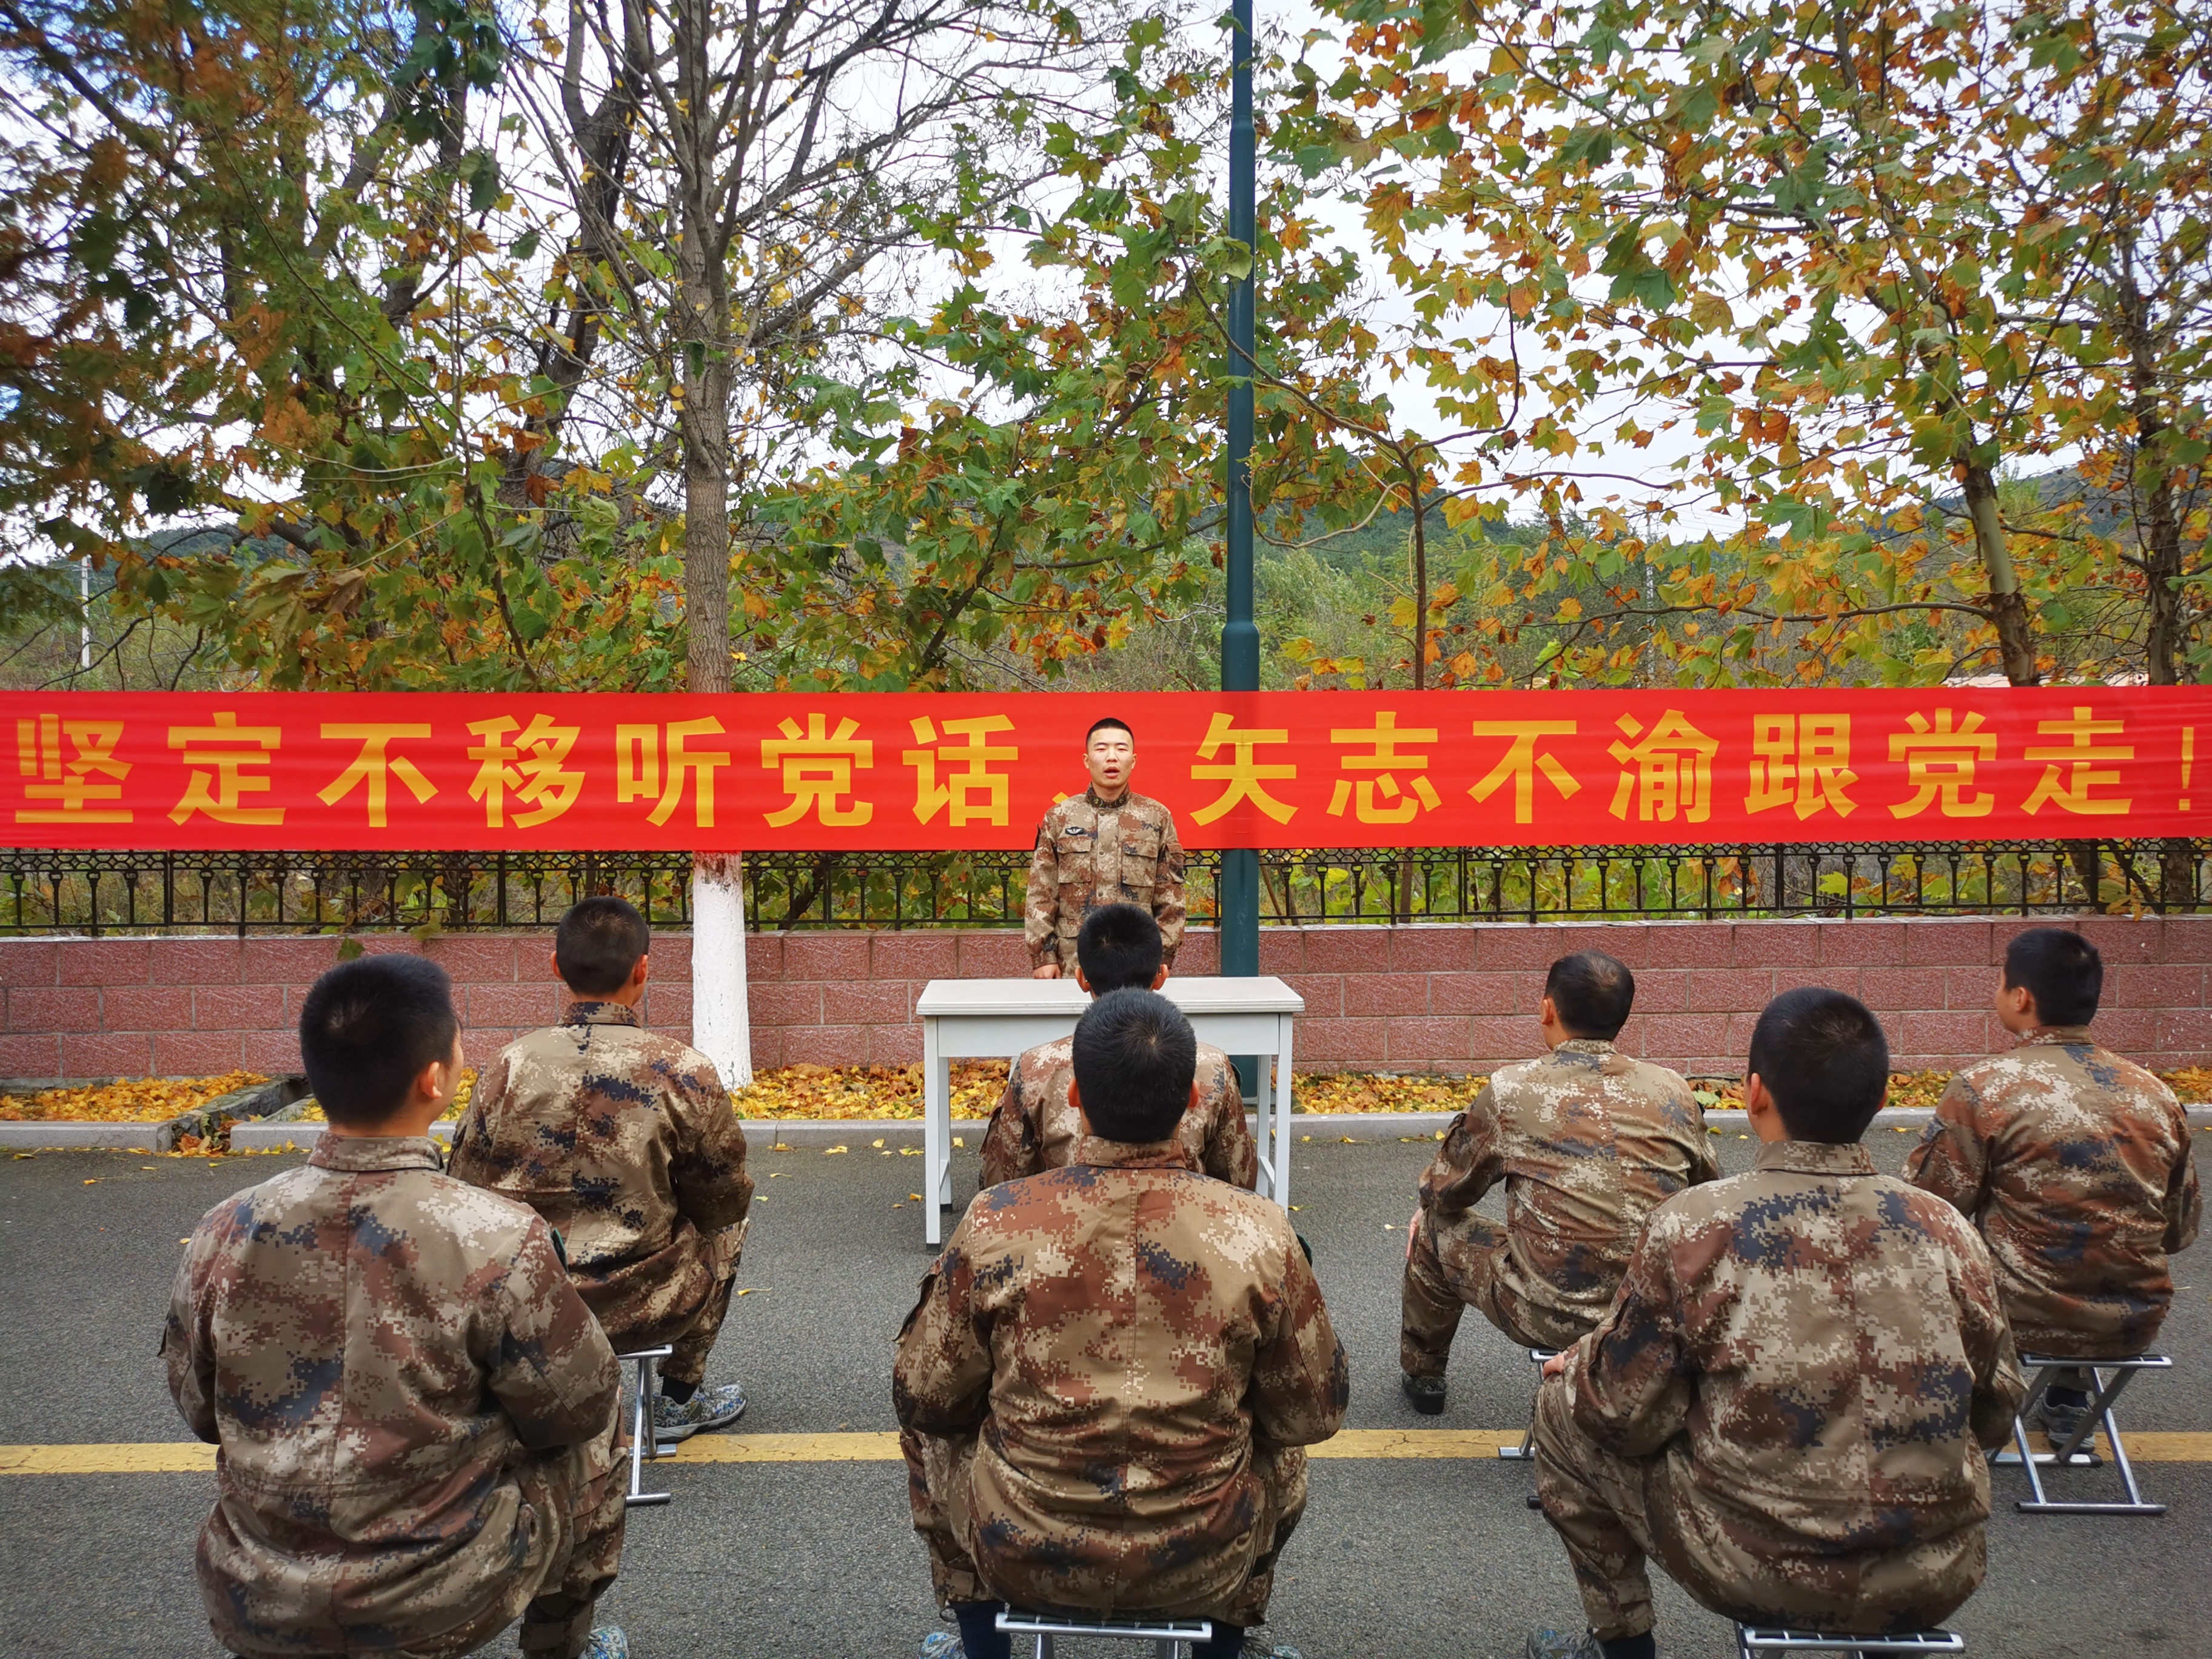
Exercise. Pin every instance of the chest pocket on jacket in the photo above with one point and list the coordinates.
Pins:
(1140, 847)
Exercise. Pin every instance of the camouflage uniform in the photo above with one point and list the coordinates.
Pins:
(626, 1143)
(1091, 852)
(414, 1410)
(1588, 1143)
(1107, 1387)
(1787, 1404)
(1035, 1128)
(2076, 1165)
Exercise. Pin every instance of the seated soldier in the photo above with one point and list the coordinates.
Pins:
(2074, 1165)
(1588, 1141)
(415, 1411)
(1106, 1387)
(1036, 1128)
(626, 1142)
(1789, 1401)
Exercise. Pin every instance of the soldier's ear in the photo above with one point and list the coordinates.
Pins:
(1160, 978)
(553, 961)
(637, 975)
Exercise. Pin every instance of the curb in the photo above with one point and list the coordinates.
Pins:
(275, 1137)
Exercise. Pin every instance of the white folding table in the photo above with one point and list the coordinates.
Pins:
(997, 1018)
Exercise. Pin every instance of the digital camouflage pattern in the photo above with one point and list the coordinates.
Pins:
(1589, 1142)
(1787, 1404)
(2076, 1165)
(1035, 1128)
(1106, 1388)
(626, 1142)
(416, 1413)
(1090, 853)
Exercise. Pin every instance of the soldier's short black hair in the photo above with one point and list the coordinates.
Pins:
(1108, 723)
(1120, 945)
(1823, 1057)
(598, 943)
(2062, 971)
(1591, 992)
(367, 1027)
(1135, 1057)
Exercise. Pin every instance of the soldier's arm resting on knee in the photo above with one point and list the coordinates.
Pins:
(1470, 1161)
(713, 1189)
(546, 1359)
(1952, 1159)
(1300, 1381)
(941, 1379)
(187, 1353)
(1629, 1380)
(1010, 1139)
(1231, 1154)
(1999, 1388)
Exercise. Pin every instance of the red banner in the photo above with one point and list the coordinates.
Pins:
(757, 772)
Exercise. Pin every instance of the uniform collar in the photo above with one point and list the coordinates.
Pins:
(373, 1154)
(1103, 1153)
(2056, 1034)
(1091, 794)
(1815, 1158)
(1585, 1046)
(589, 1011)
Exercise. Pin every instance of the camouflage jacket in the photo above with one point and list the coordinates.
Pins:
(1588, 1143)
(2076, 1165)
(1035, 1128)
(1090, 853)
(1121, 1332)
(1818, 1353)
(626, 1142)
(376, 1349)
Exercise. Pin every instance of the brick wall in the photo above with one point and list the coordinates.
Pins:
(1449, 998)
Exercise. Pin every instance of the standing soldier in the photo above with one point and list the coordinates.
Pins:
(1106, 846)
(626, 1142)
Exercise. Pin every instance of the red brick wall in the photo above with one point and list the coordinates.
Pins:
(1405, 999)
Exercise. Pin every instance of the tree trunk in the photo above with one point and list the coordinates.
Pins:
(2015, 646)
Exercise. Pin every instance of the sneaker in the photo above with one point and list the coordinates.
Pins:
(943, 1645)
(709, 1408)
(1563, 1645)
(1427, 1393)
(1258, 1647)
(2061, 1413)
(607, 1643)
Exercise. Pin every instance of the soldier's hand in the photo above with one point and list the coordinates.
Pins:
(1050, 970)
(1557, 1364)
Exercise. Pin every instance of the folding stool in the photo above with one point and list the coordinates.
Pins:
(1167, 1636)
(1751, 1640)
(2076, 1453)
(643, 1434)
(1526, 1451)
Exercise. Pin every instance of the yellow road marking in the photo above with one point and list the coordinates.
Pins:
(189, 1457)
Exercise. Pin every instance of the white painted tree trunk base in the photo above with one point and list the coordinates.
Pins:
(721, 1021)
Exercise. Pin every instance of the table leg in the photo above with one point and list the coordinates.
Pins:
(936, 1133)
(1281, 1150)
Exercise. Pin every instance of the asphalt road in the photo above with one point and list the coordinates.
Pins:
(816, 1561)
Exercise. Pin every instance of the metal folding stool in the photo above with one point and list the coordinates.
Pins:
(642, 1432)
(2076, 1454)
(1752, 1640)
(1167, 1636)
(1526, 1451)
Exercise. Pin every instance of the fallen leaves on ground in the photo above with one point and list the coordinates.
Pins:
(836, 1093)
(141, 1100)
(1381, 1091)
(314, 1112)
(2191, 1085)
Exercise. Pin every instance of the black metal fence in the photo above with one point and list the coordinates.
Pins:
(96, 893)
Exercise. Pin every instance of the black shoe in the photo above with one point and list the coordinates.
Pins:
(2062, 1412)
(1427, 1393)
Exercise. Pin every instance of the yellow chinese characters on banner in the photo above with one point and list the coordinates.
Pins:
(1380, 799)
(646, 767)
(1244, 777)
(533, 769)
(1521, 762)
(817, 768)
(228, 761)
(2080, 754)
(72, 769)
(1667, 769)
(1940, 757)
(1802, 762)
(374, 766)
(971, 790)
